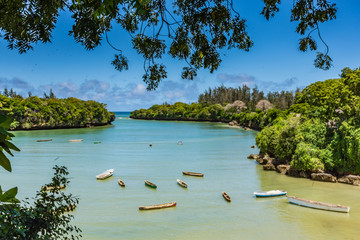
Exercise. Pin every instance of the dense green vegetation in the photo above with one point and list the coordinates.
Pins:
(321, 132)
(316, 130)
(249, 107)
(50, 112)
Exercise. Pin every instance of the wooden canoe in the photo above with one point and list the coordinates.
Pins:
(227, 197)
(76, 140)
(181, 183)
(318, 205)
(121, 183)
(150, 184)
(51, 188)
(193, 174)
(108, 173)
(159, 206)
(272, 193)
(44, 140)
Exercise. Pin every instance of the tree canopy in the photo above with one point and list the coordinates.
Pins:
(188, 30)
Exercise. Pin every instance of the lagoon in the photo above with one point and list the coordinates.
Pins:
(107, 211)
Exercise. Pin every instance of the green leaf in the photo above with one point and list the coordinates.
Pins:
(4, 162)
(9, 196)
(11, 146)
(5, 121)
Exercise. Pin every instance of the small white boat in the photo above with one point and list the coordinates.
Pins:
(159, 206)
(108, 173)
(181, 183)
(318, 205)
(272, 193)
(76, 140)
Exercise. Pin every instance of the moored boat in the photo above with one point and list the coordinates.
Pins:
(193, 174)
(272, 193)
(159, 206)
(181, 183)
(318, 205)
(121, 183)
(150, 184)
(97, 142)
(44, 140)
(76, 140)
(108, 173)
(227, 197)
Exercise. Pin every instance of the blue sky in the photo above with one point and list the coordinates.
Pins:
(273, 63)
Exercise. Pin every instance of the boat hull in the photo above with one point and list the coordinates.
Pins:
(273, 193)
(121, 183)
(44, 140)
(159, 206)
(150, 184)
(318, 205)
(226, 197)
(193, 174)
(181, 183)
(105, 175)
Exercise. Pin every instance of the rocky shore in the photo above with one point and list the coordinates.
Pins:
(272, 164)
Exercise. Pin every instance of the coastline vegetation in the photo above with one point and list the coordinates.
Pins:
(314, 130)
(50, 112)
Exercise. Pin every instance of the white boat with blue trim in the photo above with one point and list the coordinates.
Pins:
(318, 205)
(272, 193)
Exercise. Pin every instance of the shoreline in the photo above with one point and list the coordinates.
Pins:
(60, 127)
(271, 164)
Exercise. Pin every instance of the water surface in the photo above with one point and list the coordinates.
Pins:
(107, 211)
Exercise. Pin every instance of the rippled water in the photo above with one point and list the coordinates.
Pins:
(107, 211)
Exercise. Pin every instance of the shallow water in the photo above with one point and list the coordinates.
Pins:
(107, 211)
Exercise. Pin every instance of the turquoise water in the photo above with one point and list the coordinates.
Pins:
(107, 211)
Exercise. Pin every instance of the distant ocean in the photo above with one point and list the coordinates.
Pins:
(107, 211)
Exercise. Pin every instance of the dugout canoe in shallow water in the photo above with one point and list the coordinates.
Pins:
(227, 197)
(121, 183)
(76, 140)
(150, 184)
(159, 206)
(181, 183)
(193, 174)
(272, 193)
(318, 205)
(44, 140)
(108, 173)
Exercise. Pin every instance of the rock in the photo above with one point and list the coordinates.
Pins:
(233, 123)
(325, 177)
(269, 167)
(350, 179)
(282, 169)
(293, 172)
(304, 174)
(253, 156)
(267, 159)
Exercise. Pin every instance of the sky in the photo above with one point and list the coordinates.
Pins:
(274, 63)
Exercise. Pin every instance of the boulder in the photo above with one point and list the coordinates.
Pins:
(269, 167)
(293, 172)
(304, 174)
(233, 123)
(267, 159)
(253, 156)
(282, 169)
(325, 177)
(350, 179)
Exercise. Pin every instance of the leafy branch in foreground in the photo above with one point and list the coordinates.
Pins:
(46, 217)
(192, 31)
